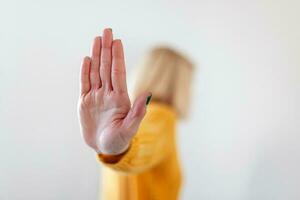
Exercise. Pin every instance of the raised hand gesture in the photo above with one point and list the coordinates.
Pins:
(108, 121)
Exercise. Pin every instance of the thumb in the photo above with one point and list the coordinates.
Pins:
(136, 114)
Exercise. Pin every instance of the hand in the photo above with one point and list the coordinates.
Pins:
(107, 120)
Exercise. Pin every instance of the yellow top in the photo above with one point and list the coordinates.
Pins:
(149, 169)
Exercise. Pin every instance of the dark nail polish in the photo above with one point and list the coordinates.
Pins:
(148, 99)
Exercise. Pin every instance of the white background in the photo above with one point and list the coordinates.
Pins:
(242, 140)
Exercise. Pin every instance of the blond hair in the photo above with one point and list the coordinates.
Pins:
(167, 74)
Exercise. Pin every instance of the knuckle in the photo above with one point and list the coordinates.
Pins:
(95, 58)
(138, 113)
(105, 63)
(118, 70)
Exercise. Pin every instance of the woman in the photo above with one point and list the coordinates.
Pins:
(137, 150)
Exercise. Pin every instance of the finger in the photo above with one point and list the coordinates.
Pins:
(118, 71)
(94, 72)
(105, 66)
(136, 114)
(85, 85)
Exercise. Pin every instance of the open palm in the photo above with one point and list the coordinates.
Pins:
(107, 120)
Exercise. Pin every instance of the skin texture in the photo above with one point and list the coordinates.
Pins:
(108, 121)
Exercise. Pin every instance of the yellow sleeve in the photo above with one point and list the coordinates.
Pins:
(152, 143)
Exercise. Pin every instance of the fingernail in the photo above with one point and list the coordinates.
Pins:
(148, 99)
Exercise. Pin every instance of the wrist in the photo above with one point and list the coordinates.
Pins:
(109, 145)
(111, 159)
